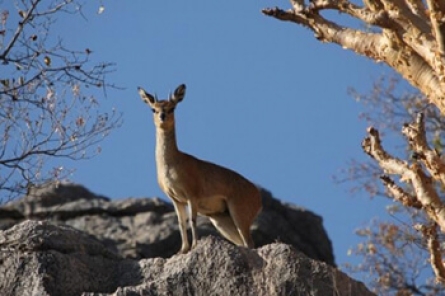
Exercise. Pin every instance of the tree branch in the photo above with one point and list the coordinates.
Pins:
(422, 184)
(373, 147)
(417, 7)
(416, 135)
(27, 17)
(401, 12)
(399, 194)
(437, 18)
(404, 44)
(430, 233)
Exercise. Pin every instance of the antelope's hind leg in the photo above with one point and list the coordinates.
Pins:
(225, 225)
(242, 219)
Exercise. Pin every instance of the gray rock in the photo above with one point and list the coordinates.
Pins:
(39, 258)
(147, 227)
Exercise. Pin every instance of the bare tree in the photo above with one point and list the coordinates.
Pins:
(395, 255)
(407, 35)
(47, 107)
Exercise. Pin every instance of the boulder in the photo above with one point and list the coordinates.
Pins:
(41, 258)
(139, 228)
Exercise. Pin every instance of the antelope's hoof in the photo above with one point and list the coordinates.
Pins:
(193, 245)
(183, 251)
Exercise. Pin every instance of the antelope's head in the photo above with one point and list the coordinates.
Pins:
(163, 110)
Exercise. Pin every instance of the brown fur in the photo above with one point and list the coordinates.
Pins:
(227, 198)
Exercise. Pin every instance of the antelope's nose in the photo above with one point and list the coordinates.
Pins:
(162, 116)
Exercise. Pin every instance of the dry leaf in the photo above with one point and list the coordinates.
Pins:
(47, 61)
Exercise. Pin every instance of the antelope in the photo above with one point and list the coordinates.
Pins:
(229, 200)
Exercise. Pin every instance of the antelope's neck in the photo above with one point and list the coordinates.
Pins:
(166, 147)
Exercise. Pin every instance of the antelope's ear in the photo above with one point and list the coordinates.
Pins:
(179, 94)
(146, 97)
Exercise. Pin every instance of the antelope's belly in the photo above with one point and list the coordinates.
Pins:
(211, 205)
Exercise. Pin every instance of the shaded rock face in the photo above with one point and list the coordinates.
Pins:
(147, 227)
(40, 258)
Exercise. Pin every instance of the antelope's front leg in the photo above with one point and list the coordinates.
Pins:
(181, 212)
(193, 213)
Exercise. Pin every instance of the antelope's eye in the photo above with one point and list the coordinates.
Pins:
(154, 111)
(171, 110)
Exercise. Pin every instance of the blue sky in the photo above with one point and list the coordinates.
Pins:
(264, 98)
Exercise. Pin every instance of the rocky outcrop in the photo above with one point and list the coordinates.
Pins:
(39, 258)
(139, 228)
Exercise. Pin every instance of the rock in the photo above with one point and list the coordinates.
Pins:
(292, 225)
(39, 258)
(147, 227)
